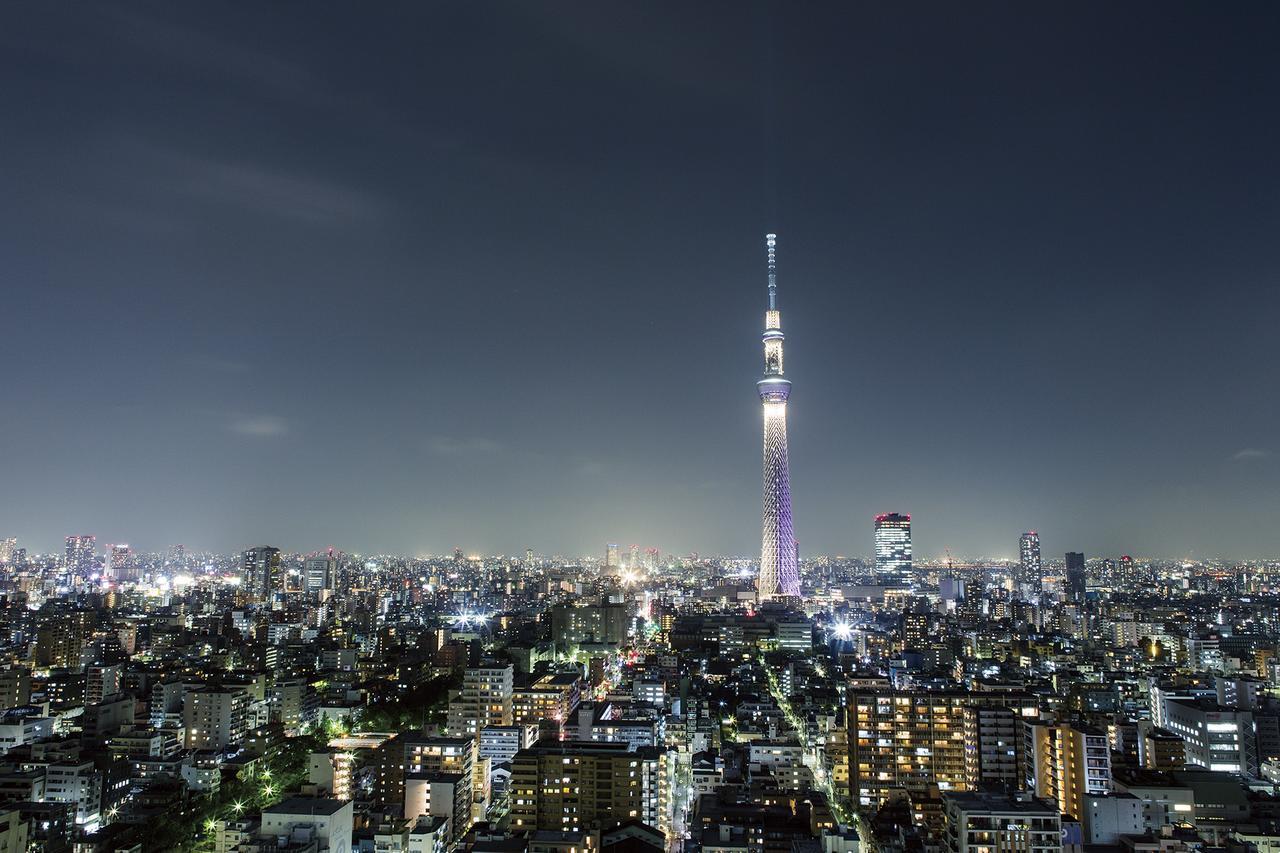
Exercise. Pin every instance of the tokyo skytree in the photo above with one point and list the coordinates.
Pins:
(779, 575)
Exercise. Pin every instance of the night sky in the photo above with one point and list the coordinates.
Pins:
(487, 275)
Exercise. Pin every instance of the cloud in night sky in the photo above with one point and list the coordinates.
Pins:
(260, 426)
(499, 266)
(447, 445)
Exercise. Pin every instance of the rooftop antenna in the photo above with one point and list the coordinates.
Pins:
(770, 243)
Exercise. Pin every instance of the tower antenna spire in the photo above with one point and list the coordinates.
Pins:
(770, 244)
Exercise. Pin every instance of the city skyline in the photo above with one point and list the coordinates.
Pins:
(264, 294)
(379, 469)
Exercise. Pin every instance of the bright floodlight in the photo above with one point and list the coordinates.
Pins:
(843, 631)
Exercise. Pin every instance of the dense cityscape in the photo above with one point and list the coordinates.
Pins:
(926, 352)
(331, 701)
(636, 701)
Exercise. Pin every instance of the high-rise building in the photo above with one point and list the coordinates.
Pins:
(633, 560)
(1030, 571)
(120, 562)
(993, 747)
(407, 761)
(7, 547)
(262, 575)
(60, 638)
(1064, 762)
(594, 786)
(611, 560)
(1075, 576)
(485, 700)
(320, 573)
(80, 553)
(915, 739)
(215, 717)
(779, 574)
(893, 545)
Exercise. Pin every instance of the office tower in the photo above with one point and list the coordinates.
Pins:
(320, 573)
(595, 786)
(779, 574)
(1213, 736)
(485, 700)
(633, 558)
(1075, 576)
(611, 560)
(1064, 762)
(7, 547)
(893, 545)
(986, 821)
(528, 556)
(1030, 572)
(262, 575)
(913, 739)
(79, 554)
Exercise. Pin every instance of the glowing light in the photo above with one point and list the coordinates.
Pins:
(842, 631)
(470, 619)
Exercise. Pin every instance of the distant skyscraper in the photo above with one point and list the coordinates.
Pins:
(611, 559)
(177, 555)
(80, 553)
(120, 562)
(633, 561)
(893, 544)
(320, 573)
(1075, 576)
(262, 575)
(7, 547)
(779, 574)
(1030, 570)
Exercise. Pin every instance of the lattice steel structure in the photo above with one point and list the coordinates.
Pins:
(779, 575)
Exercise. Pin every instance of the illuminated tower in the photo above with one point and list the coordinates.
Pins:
(779, 575)
(893, 546)
(1029, 560)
